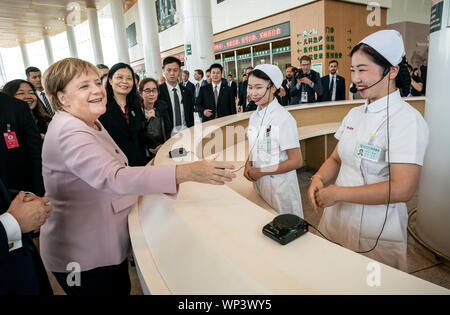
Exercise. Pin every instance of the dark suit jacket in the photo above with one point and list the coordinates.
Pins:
(296, 94)
(21, 271)
(20, 168)
(188, 104)
(286, 100)
(233, 88)
(340, 89)
(243, 94)
(127, 137)
(191, 87)
(225, 103)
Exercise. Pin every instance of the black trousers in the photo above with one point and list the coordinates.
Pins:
(108, 280)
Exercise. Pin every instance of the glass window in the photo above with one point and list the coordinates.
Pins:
(37, 55)
(12, 64)
(281, 51)
(166, 11)
(282, 60)
(60, 46)
(261, 54)
(244, 61)
(105, 24)
(83, 38)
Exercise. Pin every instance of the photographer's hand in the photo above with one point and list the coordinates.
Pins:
(306, 81)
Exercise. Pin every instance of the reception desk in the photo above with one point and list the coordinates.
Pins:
(209, 239)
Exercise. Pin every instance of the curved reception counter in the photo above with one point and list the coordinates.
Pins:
(209, 239)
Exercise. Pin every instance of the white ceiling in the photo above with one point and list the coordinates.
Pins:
(28, 20)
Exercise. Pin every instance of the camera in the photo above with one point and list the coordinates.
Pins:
(285, 228)
(299, 74)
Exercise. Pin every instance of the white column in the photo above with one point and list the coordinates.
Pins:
(150, 38)
(24, 51)
(95, 35)
(236, 64)
(48, 49)
(251, 57)
(71, 40)
(198, 33)
(120, 31)
(3, 78)
(433, 214)
(271, 53)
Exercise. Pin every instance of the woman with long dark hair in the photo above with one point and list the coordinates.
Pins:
(25, 91)
(378, 159)
(124, 119)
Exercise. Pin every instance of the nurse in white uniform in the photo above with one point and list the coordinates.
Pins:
(377, 160)
(274, 145)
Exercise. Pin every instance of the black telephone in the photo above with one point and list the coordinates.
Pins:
(285, 228)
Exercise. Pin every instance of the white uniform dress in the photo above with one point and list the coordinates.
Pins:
(277, 133)
(357, 226)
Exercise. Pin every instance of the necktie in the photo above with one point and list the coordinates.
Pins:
(331, 88)
(216, 97)
(47, 105)
(177, 108)
(197, 89)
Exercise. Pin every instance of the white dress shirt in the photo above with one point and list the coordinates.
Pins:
(176, 129)
(333, 78)
(12, 230)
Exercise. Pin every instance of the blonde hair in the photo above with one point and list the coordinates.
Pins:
(59, 74)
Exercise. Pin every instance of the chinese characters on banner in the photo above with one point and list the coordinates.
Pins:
(317, 46)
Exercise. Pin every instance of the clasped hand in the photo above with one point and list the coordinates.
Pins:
(321, 197)
(30, 211)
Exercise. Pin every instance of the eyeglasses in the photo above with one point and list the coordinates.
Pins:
(150, 91)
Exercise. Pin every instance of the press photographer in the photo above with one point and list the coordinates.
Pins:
(308, 83)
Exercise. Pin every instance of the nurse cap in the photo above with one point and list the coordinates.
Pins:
(273, 72)
(389, 44)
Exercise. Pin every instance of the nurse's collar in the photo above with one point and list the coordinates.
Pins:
(271, 107)
(381, 104)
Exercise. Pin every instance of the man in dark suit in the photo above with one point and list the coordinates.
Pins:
(34, 76)
(232, 85)
(216, 99)
(179, 98)
(285, 99)
(188, 84)
(333, 85)
(306, 87)
(243, 99)
(423, 75)
(20, 152)
(21, 268)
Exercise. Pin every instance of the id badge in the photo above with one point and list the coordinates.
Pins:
(265, 144)
(368, 152)
(304, 97)
(11, 140)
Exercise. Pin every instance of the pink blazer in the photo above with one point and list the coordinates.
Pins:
(91, 190)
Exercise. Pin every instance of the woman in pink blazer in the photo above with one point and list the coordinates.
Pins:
(91, 186)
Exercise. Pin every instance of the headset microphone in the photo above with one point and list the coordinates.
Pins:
(268, 88)
(355, 90)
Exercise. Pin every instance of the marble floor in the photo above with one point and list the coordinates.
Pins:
(421, 263)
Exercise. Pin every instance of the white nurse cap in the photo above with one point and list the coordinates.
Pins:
(389, 44)
(273, 72)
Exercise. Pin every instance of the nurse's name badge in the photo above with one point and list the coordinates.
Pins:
(368, 152)
(11, 140)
